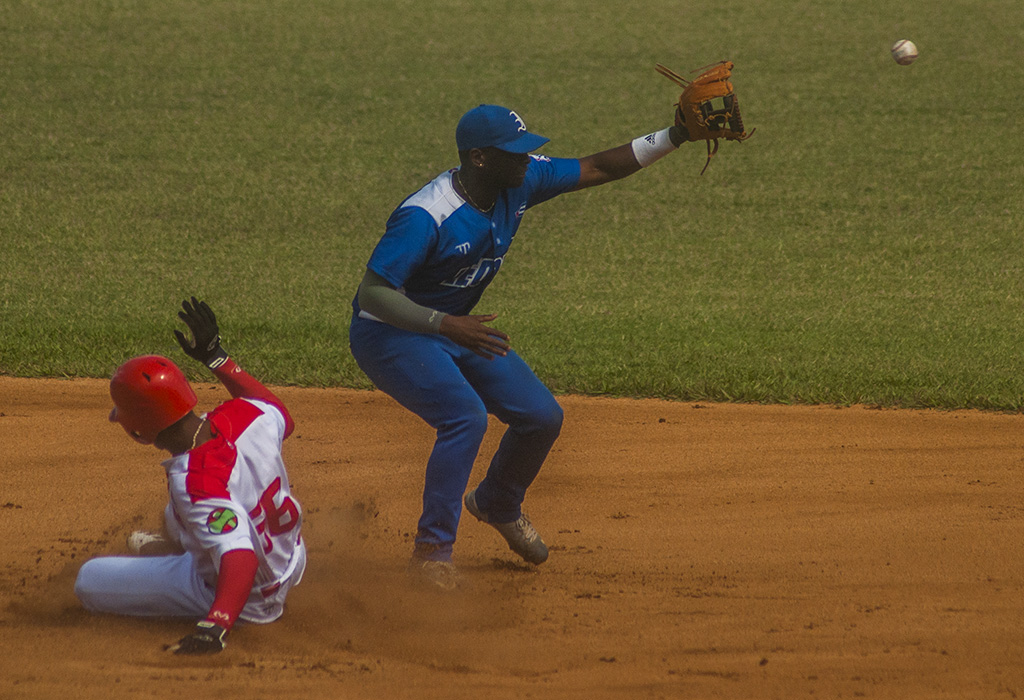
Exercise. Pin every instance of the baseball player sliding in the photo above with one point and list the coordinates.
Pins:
(232, 547)
(414, 335)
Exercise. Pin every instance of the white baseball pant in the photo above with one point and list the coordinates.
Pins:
(170, 586)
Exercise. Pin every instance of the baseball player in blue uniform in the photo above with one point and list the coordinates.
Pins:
(415, 337)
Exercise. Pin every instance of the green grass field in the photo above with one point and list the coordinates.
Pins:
(863, 247)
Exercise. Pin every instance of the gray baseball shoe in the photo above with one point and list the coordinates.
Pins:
(434, 575)
(520, 534)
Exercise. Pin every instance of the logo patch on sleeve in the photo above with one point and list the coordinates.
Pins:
(221, 521)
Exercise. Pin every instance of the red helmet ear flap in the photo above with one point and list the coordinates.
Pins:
(150, 394)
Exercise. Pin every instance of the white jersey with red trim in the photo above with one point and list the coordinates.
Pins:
(232, 492)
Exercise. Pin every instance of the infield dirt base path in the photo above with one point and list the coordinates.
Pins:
(697, 551)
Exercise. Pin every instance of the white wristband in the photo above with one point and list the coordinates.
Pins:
(651, 147)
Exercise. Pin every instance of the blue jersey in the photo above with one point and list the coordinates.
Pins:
(442, 253)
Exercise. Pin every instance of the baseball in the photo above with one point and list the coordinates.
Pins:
(904, 52)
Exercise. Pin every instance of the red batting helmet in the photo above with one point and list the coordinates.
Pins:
(150, 393)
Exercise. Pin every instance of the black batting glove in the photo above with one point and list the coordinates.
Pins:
(205, 344)
(206, 638)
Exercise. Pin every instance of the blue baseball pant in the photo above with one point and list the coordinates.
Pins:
(453, 390)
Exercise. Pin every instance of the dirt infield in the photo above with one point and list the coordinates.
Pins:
(715, 551)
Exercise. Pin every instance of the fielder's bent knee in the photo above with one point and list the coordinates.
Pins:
(546, 420)
(472, 423)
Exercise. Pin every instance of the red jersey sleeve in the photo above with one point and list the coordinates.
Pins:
(242, 386)
(234, 582)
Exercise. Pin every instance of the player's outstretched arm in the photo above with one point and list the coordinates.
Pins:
(205, 347)
(606, 166)
(622, 161)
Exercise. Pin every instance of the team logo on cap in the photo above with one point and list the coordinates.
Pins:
(221, 521)
(519, 121)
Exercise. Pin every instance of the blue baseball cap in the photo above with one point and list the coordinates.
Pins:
(500, 127)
